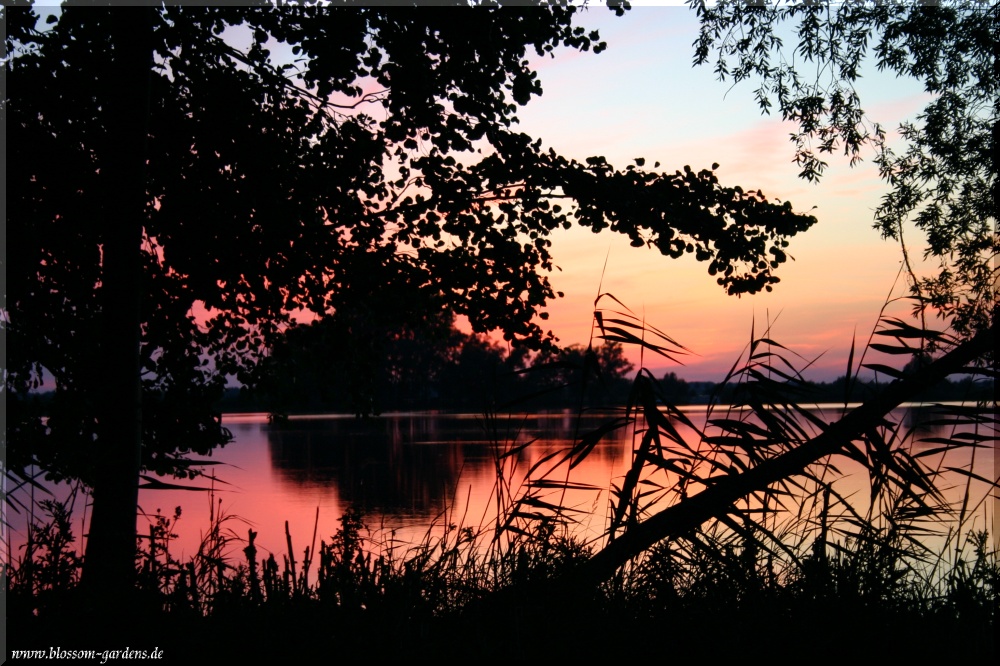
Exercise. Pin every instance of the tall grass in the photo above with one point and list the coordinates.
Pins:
(796, 554)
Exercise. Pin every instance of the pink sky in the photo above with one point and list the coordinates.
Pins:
(642, 98)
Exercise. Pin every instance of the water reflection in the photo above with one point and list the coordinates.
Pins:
(409, 470)
(410, 467)
(378, 466)
(417, 472)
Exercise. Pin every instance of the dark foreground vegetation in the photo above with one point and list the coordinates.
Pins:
(790, 569)
(703, 596)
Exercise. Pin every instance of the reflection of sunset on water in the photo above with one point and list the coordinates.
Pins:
(412, 474)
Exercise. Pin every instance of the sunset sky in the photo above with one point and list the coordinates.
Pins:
(643, 98)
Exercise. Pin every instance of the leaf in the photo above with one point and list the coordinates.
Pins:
(589, 440)
(893, 349)
(517, 448)
(156, 484)
(884, 369)
(848, 381)
(973, 475)
(561, 485)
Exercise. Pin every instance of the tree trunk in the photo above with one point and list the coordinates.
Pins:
(109, 565)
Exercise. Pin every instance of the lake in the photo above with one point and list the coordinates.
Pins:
(413, 474)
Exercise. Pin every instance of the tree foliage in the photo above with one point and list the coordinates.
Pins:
(339, 160)
(944, 176)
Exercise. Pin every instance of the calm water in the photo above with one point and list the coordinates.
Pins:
(410, 475)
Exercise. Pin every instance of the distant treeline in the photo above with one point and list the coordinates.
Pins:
(809, 392)
(370, 366)
(476, 373)
(380, 364)
(477, 383)
(558, 385)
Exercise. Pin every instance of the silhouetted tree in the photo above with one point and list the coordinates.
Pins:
(250, 162)
(675, 389)
(365, 366)
(477, 373)
(593, 377)
(944, 178)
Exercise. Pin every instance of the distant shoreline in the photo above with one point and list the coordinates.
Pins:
(259, 416)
